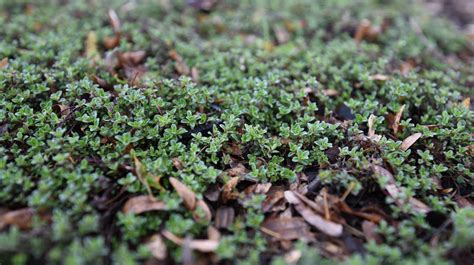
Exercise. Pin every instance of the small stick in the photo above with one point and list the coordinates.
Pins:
(270, 232)
(349, 189)
(326, 208)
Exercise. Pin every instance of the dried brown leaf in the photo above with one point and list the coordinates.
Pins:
(370, 124)
(237, 170)
(143, 203)
(177, 163)
(134, 74)
(61, 110)
(286, 228)
(419, 206)
(202, 245)
(202, 206)
(328, 227)
(213, 233)
(111, 42)
(315, 206)
(212, 193)
(366, 31)
(4, 63)
(188, 196)
(250, 191)
(224, 217)
(463, 202)
(330, 92)
(362, 29)
(114, 20)
(396, 122)
(262, 188)
(194, 74)
(274, 196)
(343, 207)
(102, 83)
(466, 102)
(379, 77)
(291, 197)
(394, 191)
(22, 218)
(293, 257)
(281, 34)
(180, 65)
(409, 141)
(227, 190)
(132, 58)
(407, 66)
(172, 237)
(157, 247)
(141, 174)
(204, 5)
(368, 229)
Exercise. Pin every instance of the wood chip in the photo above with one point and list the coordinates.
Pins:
(188, 196)
(409, 141)
(141, 204)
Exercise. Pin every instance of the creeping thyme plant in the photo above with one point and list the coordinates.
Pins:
(104, 101)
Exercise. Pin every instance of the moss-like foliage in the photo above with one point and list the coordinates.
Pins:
(93, 113)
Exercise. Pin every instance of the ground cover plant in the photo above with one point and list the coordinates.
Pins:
(235, 132)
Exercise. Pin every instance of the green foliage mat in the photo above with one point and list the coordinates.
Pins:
(246, 132)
